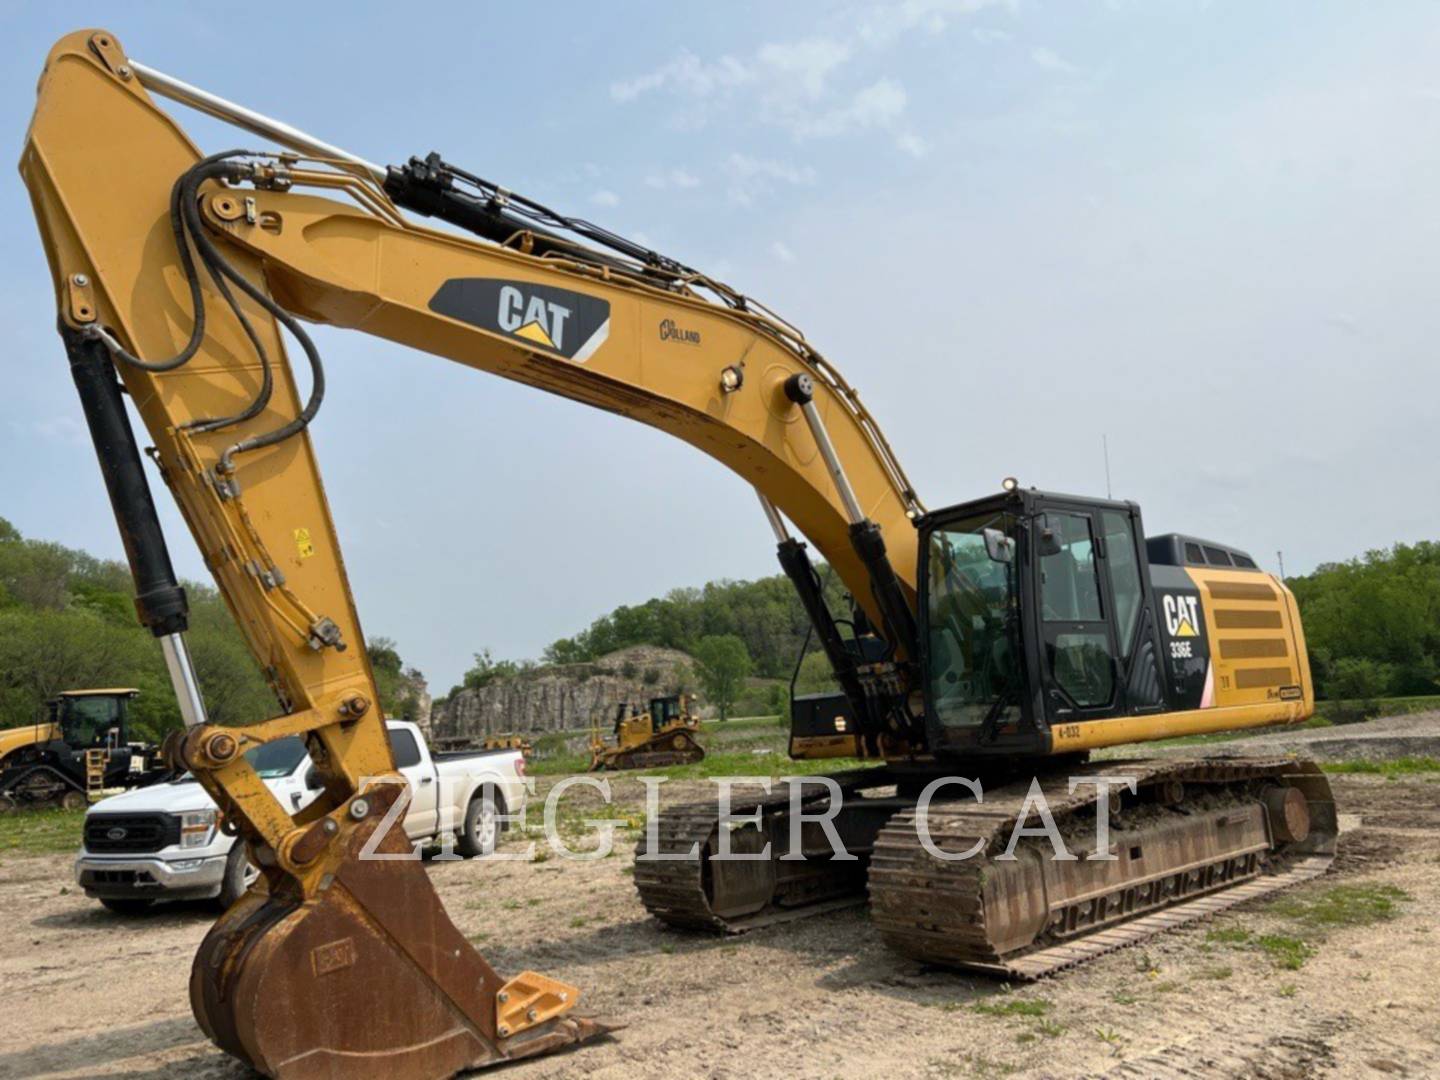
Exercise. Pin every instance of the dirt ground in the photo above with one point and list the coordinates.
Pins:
(1269, 990)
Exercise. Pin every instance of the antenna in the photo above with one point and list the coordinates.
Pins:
(1281, 556)
(1105, 444)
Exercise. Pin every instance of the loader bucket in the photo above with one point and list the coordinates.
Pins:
(368, 979)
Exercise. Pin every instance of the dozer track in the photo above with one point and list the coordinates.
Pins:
(1200, 836)
(668, 748)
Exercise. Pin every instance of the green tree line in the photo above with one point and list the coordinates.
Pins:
(765, 615)
(1372, 624)
(67, 622)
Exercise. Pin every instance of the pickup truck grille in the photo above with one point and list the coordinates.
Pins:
(130, 832)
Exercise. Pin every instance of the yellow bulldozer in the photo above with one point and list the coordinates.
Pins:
(662, 735)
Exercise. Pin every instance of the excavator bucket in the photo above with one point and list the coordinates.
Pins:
(369, 978)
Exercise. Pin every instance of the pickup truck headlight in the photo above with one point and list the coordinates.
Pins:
(197, 828)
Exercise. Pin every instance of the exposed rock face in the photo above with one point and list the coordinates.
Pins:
(423, 704)
(565, 696)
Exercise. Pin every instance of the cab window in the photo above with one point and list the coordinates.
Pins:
(1069, 584)
(404, 747)
(1124, 576)
(1077, 642)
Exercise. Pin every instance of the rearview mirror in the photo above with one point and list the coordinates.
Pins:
(312, 779)
(999, 547)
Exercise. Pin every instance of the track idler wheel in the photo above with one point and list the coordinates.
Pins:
(369, 978)
(1289, 814)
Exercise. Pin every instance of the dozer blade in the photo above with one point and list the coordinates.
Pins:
(369, 978)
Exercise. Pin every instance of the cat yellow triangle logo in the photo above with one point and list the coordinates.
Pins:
(535, 332)
(1185, 629)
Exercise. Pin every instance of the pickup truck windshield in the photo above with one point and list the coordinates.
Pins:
(277, 759)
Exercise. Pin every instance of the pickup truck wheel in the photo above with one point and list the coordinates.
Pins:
(482, 827)
(126, 906)
(240, 874)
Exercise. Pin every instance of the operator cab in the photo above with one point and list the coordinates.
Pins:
(93, 719)
(1036, 611)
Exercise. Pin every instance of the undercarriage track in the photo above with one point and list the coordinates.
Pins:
(1197, 837)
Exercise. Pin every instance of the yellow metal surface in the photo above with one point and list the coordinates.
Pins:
(13, 739)
(530, 999)
(121, 691)
(1093, 734)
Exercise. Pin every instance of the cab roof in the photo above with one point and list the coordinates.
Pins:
(113, 691)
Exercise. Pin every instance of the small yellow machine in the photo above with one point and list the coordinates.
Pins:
(665, 735)
(80, 749)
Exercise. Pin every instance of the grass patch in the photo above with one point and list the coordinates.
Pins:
(1401, 766)
(41, 832)
(1217, 973)
(1229, 935)
(1014, 1007)
(1342, 905)
(1287, 952)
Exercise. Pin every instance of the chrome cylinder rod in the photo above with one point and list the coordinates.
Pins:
(800, 389)
(183, 678)
(777, 523)
(214, 105)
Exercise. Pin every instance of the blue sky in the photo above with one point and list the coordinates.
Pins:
(1210, 231)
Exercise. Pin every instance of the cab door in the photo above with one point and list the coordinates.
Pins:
(422, 816)
(1076, 629)
(1137, 642)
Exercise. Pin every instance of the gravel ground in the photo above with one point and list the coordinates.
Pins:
(84, 993)
(1416, 735)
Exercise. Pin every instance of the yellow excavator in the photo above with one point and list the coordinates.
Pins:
(664, 734)
(998, 640)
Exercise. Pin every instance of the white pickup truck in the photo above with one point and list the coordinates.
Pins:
(161, 843)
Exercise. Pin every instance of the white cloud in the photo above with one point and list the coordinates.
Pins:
(688, 74)
(800, 86)
(605, 198)
(878, 105)
(989, 35)
(806, 63)
(750, 177)
(1050, 60)
(912, 144)
(672, 178)
(781, 252)
(883, 23)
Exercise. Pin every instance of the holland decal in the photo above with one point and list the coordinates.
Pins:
(554, 320)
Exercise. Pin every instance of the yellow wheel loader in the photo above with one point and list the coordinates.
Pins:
(992, 643)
